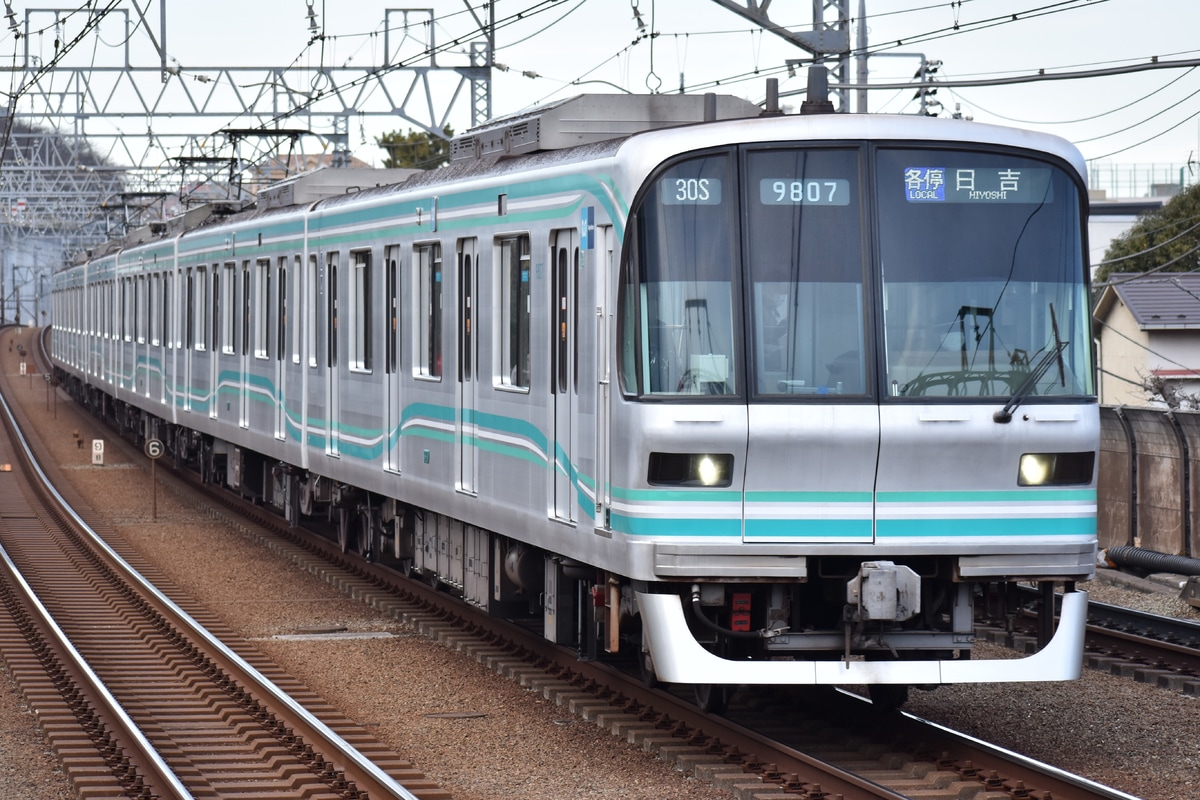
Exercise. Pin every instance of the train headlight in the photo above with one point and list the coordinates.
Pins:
(708, 471)
(690, 469)
(1055, 469)
(1035, 469)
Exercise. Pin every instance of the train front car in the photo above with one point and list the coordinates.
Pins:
(858, 398)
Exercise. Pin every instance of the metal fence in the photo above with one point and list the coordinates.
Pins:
(1130, 181)
(1149, 469)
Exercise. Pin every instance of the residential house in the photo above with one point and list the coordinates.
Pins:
(1147, 327)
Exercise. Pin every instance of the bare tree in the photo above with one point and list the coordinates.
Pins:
(1170, 392)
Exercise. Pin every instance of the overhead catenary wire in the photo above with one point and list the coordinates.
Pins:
(1090, 118)
(1157, 269)
(1148, 349)
(1156, 246)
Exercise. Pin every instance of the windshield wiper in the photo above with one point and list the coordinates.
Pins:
(1004, 415)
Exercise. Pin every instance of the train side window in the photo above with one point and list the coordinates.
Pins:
(131, 309)
(262, 316)
(427, 361)
(139, 300)
(170, 334)
(311, 303)
(199, 309)
(331, 326)
(392, 292)
(228, 304)
(295, 306)
(561, 311)
(515, 311)
(154, 334)
(189, 309)
(360, 311)
(575, 323)
(214, 321)
(164, 309)
(466, 310)
(153, 286)
(281, 313)
(244, 309)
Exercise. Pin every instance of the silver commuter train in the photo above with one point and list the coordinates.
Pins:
(765, 399)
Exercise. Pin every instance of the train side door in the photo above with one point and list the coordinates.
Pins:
(244, 331)
(292, 404)
(170, 338)
(468, 367)
(563, 385)
(189, 334)
(333, 397)
(215, 333)
(391, 357)
(283, 310)
(140, 363)
(604, 277)
(151, 336)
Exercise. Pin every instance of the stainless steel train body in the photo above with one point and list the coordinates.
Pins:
(765, 400)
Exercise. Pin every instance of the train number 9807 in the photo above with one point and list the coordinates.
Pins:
(795, 191)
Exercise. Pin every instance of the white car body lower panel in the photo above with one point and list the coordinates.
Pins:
(679, 658)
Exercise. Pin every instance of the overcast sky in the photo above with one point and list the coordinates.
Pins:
(557, 49)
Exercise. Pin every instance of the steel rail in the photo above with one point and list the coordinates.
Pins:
(367, 775)
(157, 773)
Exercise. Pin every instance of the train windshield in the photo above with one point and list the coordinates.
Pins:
(804, 247)
(687, 258)
(974, 259)
(981, 262)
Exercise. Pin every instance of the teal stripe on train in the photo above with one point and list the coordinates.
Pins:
(855, 530)
(808, 497)
(1022, 496)
(676, 526)
(675, 496)
(986, 527)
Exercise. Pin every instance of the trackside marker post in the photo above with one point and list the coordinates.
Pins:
(154, 451)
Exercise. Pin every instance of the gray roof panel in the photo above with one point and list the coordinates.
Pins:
(1161, 300)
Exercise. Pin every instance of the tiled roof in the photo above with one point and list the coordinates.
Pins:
(1159, 300)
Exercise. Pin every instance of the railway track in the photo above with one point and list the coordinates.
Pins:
(803, 744)
(142, 698)
(1150, 648)
(1147, 647)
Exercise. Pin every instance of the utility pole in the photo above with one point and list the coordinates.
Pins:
(827, 38)
(861, 59)
(924, 75)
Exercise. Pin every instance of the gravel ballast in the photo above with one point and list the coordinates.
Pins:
(482, 736)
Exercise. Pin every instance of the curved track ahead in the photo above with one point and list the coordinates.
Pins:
(206, 720)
